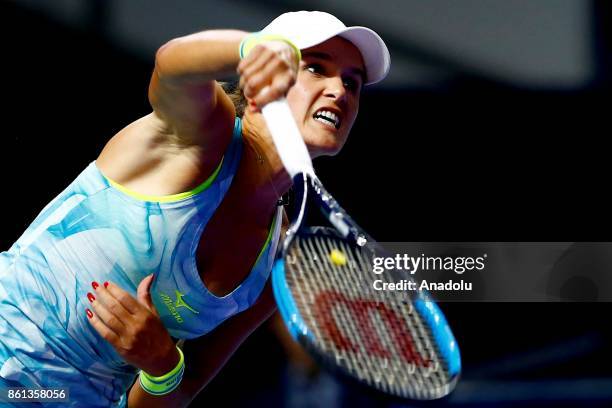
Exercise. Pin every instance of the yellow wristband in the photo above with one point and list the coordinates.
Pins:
(166, 383)
(250, 41)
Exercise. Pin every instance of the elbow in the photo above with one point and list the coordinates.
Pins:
(162, 58)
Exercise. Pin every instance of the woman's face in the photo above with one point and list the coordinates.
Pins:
(325, 97)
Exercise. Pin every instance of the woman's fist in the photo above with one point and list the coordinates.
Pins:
(268, 71)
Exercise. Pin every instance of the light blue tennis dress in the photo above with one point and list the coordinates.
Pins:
(96, 230)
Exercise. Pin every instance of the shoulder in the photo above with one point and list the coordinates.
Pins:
(147, 157)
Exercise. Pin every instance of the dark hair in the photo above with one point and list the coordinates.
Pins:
(235, 94)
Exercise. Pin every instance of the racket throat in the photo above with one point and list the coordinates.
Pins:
(337, 221)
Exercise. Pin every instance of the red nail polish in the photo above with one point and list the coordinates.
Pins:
(94, 285)
(89, 314)
(106, 284)
(91, 297)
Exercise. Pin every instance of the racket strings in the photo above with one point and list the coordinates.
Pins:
(350, 350)
(381, 326)
(375, 336)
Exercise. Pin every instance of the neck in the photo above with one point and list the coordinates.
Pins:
(269, 179)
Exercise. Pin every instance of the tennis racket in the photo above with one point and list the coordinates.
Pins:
(395, 342)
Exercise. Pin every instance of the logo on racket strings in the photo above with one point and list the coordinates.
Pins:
(361, 313)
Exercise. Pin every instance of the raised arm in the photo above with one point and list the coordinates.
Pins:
(183, 91)
(181, 143)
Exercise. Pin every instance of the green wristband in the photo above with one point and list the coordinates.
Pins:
(250, 41)
(166, 383)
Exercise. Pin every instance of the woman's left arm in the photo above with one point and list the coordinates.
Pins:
(206, 355)
(133, 327)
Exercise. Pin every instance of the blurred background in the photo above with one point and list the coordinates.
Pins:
(490, 127)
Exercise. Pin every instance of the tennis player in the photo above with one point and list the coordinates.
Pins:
(172, 231)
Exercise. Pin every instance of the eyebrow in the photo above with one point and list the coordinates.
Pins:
(326, 57)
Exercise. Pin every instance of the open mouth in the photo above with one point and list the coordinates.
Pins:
(327, 117)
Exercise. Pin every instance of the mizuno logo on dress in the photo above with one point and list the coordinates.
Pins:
(173, 305)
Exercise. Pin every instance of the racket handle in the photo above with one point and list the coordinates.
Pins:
(287, 138)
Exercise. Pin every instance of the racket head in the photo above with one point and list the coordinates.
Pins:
(398, 343)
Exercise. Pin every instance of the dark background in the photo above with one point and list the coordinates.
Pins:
(471, 159)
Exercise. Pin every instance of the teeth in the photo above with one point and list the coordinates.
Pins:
(329, 116)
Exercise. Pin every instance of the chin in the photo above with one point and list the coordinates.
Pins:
(332, 151)
(326, 150)
(326, 146)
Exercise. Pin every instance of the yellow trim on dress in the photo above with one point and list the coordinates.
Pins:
(265, 245)
(171, 197)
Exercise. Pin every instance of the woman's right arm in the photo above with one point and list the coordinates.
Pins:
(184, 138)
(184, 94)
(178, 145)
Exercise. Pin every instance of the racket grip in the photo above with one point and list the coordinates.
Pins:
(287, 138)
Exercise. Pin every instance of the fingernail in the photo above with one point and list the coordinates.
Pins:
(89, 314)
(95, 285)
(91, 297)
(106, 284)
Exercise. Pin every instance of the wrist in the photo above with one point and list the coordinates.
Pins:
(166, 383)
(165, 364)
(252, 40)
